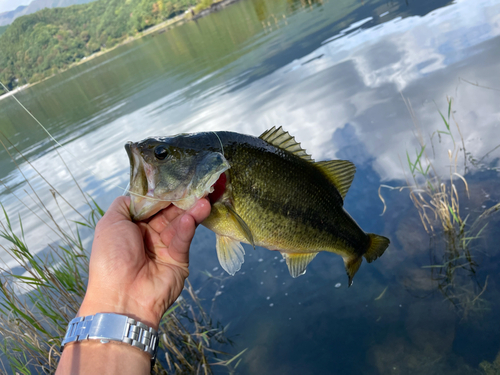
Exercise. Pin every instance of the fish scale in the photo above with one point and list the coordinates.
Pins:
(314, 203)
(270, 193)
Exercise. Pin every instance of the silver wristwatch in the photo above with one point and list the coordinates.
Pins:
(113, 327)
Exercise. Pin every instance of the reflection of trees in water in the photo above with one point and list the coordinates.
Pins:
(261, 10)
(264, 14)
(301, 4)
(270, 20)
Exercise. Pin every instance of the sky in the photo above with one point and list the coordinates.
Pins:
(6, 5)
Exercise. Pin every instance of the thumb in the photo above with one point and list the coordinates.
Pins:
(118, 211)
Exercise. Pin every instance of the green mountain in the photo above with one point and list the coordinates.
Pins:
(41, 44)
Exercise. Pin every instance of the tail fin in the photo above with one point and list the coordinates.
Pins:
(378, 244)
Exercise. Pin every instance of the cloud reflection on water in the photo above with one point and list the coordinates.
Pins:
(359, 78)
(341, 100)
(356, 83)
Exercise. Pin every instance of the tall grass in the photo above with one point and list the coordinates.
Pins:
(42, 293)
(39, 298)
(437, 200)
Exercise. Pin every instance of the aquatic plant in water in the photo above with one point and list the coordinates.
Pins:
(491, 368)
(437, 200)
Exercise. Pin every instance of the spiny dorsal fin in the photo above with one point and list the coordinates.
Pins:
(282, 139)
(340, 172)
(297, 263)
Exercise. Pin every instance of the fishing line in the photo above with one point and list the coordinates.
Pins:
(87, 169)
(221, 146)
(34, 118)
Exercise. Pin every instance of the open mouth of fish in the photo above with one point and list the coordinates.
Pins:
(143, 203)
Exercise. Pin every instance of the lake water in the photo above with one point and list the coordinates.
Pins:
(356, 80)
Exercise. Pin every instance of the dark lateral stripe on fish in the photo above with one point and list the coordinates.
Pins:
(314, 220)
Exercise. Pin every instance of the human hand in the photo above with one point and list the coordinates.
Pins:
(138, 269)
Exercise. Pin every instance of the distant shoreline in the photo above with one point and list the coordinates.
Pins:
(160, 28)
(215, 7)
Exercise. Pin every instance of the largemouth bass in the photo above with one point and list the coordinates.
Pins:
(264, 191)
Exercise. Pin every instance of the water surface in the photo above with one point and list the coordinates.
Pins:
(349, 79)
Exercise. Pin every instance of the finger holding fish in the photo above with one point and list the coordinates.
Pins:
(160, 221)
(175, 227)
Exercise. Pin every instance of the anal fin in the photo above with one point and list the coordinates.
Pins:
(297, 263)
(230, 253)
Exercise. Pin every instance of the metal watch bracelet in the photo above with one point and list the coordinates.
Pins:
(112, 327)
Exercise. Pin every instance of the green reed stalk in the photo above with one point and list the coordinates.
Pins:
(453, 238)
(41, 294)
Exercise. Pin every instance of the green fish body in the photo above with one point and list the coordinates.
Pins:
(267, 192)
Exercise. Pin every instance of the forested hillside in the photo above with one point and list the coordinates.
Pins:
(2, 29)
(40, 44)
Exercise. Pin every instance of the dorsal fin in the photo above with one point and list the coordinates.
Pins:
(340, 172)
(283, 140)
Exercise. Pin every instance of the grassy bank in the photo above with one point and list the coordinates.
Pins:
(40, 294)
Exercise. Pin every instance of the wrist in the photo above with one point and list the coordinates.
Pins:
(91, 356)
(130, 309)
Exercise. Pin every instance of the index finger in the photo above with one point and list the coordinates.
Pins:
(199, 212)
(160, 221)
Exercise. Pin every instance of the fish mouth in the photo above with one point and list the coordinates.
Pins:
(143, 203)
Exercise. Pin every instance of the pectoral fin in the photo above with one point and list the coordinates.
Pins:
(297, 263)
(245, 230)
(230, 253)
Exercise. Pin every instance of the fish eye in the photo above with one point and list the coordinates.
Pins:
(161, 152)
